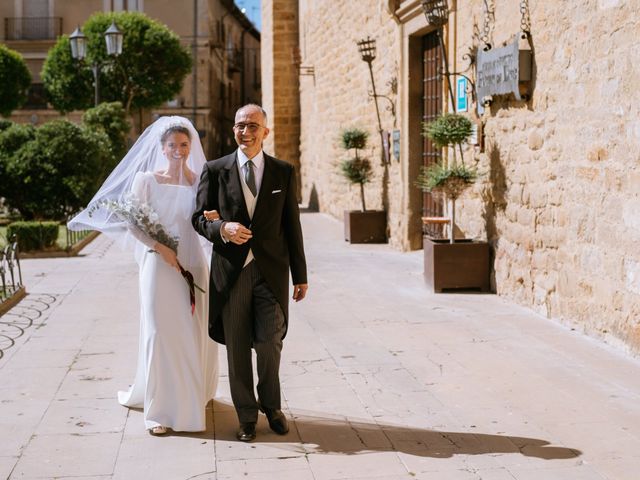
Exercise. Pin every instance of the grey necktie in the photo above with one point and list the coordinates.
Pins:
(250, 178)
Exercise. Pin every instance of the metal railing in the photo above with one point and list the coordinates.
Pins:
(74, 237)
(32, 28)
(10, 271)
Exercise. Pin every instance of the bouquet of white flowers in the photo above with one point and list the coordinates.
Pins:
(143, 217)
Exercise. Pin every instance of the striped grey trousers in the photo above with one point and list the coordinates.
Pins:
(252, 317)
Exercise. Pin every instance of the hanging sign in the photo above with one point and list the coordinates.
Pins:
(498, 72)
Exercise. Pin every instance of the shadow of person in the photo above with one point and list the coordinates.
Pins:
(311, 432)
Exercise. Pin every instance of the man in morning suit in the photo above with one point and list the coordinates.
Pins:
(256, 240)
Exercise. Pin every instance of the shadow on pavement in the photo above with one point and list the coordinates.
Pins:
(331, 434)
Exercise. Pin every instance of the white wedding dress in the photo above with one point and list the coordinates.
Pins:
(177, 369)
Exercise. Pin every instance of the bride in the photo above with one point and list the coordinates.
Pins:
(177, 362)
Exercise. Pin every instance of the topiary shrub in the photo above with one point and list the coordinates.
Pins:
(356, 170)
(448, 130)
(354, 138)
(34, 235)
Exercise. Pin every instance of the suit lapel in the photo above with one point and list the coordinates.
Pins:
(233, 187)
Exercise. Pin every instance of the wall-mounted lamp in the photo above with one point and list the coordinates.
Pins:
(367, 49)
(437, 14)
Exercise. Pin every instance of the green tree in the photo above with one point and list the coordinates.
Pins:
(110, 118)
(67, 87)
(4, 124)
(150, 71)
(51, 171)
(12, 138)
(14, 80)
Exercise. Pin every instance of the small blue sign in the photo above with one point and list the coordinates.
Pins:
(461, 95)
(396, 144)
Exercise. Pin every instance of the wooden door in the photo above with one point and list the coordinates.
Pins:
(432, 107)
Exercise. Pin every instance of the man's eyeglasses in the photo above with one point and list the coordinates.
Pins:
(250, 127)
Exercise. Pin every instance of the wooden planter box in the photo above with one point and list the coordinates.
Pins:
(460, 265)
(365, 227)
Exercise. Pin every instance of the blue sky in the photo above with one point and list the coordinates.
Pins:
(252, 8)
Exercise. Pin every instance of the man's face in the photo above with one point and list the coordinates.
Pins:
(250, 130)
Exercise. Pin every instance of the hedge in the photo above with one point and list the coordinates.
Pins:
(34, 235)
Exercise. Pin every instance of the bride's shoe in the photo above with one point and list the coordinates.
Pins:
(158, 430)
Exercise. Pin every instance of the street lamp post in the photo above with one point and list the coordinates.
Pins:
(78, 40)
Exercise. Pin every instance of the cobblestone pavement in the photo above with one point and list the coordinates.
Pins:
(381, 379)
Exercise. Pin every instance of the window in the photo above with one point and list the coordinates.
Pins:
(123, 5)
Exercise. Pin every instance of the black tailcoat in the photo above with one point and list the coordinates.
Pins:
(277, 236)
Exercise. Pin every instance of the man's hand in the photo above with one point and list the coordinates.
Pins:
(211, 215)
(236, 232)
(300, 291)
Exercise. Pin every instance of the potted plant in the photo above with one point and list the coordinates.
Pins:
(360, 226)
(454, 263)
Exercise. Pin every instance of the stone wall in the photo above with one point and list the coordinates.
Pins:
(336, 97)
(560, 200)
(280, 85)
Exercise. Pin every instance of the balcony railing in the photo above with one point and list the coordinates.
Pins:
(32, 28)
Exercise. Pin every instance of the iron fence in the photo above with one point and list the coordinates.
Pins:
(10, 271)
(74, 236)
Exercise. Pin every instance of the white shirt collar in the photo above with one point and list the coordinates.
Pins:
(258, 160)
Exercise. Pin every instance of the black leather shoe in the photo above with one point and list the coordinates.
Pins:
(246, 432)
(277, 420)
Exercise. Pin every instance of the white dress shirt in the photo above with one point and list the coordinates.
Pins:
(258, 171)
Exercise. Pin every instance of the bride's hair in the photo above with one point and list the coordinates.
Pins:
(174, 129)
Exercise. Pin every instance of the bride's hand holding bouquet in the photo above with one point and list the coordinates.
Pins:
(168, 255)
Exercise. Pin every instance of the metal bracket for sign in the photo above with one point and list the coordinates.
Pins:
(471, 86)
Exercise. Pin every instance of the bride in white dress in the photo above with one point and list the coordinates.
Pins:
(177, 361)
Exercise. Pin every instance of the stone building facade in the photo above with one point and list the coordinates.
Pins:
(557, 198)
(224, 44)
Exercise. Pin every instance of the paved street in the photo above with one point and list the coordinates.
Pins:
(381, 379)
